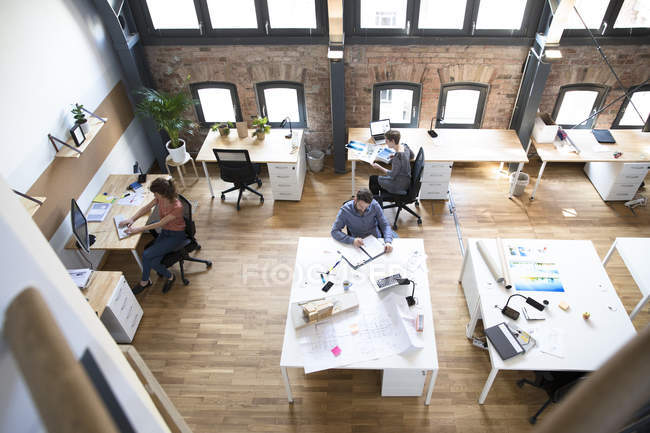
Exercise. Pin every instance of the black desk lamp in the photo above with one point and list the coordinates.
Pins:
(514, 314)
(283, 123)
(431, 132)
(410, 300)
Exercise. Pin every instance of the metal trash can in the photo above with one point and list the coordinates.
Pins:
(521, 183)
(315, 158)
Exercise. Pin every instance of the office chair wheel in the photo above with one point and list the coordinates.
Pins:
(419, 221)
(198, 247)
(261, 199)
(417, 203)
(259, 183)
(209, 264)
(394, 226)
(520, 383)
(238, 206)
(532, 420)
(223, 196)
(186, 281)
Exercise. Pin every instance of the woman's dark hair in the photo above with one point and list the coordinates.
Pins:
(164, 187)
(393, 135)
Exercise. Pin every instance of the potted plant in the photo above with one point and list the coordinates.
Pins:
(166, 110)
(261, 126)
(80, 117)
(223, 128)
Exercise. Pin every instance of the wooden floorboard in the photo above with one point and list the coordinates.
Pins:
(215, 345)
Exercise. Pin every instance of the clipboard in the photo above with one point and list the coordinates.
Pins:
(366, 253)
(504, 341)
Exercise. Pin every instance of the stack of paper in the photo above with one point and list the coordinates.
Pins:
(80, 276)
(98, 212)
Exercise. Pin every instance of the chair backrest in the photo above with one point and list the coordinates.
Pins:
(416, 177)
(235, 165)
(190, 227)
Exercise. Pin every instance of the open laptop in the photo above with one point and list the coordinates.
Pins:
(378, 128)
(603, 136)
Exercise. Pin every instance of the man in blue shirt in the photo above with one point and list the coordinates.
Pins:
(363, 217)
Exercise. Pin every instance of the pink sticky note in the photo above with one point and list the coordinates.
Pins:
(336, 351)
(354, 328)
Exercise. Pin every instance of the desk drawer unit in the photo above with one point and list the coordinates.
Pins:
(615, 180)
(402, 382)
(435, 180)
(287, 180)
(122, 313)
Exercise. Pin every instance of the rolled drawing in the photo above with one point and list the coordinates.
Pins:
(504, 265)
(494, 268)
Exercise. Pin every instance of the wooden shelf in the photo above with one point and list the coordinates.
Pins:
(30, 205)
(94, 125)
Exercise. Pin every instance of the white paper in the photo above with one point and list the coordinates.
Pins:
(372, 246)
(355, 256)
(80, 276)
(98, 212)
(121, 233)
(133, 199)
(552, 342)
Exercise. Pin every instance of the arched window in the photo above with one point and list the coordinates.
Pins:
(461, 105)
(398, 102)
(216, 102)
(279, 99)
(576, 102)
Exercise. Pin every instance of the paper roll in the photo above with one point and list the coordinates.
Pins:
(504, 264)
(493, 266)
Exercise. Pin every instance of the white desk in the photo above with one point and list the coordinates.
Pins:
(587, 343)
(314, 254)
(635, 253)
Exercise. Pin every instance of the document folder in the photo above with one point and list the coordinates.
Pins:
(503, 341)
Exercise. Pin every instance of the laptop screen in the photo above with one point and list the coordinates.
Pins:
(379, 127)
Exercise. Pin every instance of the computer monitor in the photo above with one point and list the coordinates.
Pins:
(79, 226)
(379, 127)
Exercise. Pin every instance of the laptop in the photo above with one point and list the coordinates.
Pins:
(378, 128)
(603, 136)
(121, 234)
(386, 282)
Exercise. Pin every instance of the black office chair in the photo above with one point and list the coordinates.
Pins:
(401, 201)
(556, 384)
(182, 254)
(236, 167)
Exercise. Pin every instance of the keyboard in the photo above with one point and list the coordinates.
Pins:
(387, 282)
(120, 230)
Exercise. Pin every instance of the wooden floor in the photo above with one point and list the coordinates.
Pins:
(215, 345)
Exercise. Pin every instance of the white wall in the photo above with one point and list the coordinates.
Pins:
(32, 262)
(56, 53)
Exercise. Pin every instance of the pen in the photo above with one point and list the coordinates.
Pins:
(332, 268)
(322, 278)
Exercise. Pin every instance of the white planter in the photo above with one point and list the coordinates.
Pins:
(178, 154)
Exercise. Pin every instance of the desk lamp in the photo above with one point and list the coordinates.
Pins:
(410, 300)
(514, 314)
(283, 123)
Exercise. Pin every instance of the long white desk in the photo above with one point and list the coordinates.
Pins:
(635, 253)
(314, 254)
(587, 343)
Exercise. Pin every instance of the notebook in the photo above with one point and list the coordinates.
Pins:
(603, 136)
(503, 341)
(120, 230)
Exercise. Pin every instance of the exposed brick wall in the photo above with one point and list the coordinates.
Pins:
(365, 65)
(498, 66)
(583, 64)
(245, 65)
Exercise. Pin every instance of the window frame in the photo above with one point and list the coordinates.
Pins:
(142, 16)
(380, 32)
(280, 84)
(415, 105)
(205, 34)
(484, 90)
(624, 105)
(194, 90)
(602, 90)
(529, 21)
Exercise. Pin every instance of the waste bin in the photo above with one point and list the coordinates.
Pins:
(315, 159)
(521, 183)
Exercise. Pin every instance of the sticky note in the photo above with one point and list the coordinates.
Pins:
(336, 351)
(563, 305)
(354, 328)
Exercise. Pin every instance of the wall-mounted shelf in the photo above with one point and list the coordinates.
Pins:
(30, 203)
(70, 150)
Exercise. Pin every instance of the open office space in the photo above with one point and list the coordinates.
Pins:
(506, 239)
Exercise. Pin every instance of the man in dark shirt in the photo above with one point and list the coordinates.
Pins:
(363, 217)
